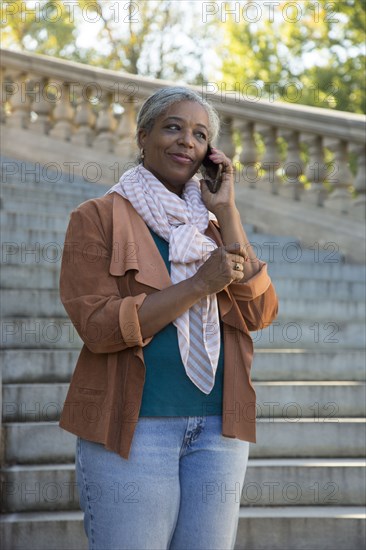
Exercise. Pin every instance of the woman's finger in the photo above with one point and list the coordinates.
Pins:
(237, 248)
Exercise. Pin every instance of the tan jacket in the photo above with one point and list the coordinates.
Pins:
(110, 264)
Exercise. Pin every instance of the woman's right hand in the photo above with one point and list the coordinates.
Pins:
(218, 271)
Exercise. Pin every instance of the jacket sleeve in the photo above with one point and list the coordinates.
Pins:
(256, 299)
(105, 321)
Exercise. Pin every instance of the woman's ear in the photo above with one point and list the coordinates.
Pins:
(141, 136)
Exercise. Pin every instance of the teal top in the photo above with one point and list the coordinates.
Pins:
(168, 391)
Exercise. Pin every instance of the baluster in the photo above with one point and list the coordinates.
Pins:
(19, 101)
(3, 97)
(316, 170)
(271, 159)
(358, 209)
(249, 154)
(85, 122)
(41, 105)
(225, 141)
(340, 176)
(105, 126)
(293, 166)
(63, 114)
(126, 146)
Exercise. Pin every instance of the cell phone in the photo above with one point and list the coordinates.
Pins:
(211, 172)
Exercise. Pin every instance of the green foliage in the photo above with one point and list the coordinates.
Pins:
(23, 29)
(137, 37)
(309, 52)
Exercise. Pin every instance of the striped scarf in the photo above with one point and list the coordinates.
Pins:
(181, 221)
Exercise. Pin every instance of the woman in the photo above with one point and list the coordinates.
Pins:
(163, 296)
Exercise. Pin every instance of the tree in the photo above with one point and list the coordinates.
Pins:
(47, 31)
(146, 38)
(310, 53)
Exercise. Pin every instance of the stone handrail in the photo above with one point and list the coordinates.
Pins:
(306, 151)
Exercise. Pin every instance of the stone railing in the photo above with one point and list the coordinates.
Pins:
(305, 151)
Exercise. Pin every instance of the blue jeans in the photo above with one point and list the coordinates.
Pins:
(179, 489)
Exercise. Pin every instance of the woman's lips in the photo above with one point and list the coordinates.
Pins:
(181, 159)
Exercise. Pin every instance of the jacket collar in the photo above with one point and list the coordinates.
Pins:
(134, 248)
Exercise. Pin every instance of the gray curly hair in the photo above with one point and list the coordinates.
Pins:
(163, 98)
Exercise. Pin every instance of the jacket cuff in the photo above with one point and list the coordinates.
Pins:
(253, 287)
(129, 321)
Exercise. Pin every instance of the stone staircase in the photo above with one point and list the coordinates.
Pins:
(305, 484)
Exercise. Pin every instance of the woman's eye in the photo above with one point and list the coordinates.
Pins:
(201, 135)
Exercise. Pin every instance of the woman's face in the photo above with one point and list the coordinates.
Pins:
(176, 145)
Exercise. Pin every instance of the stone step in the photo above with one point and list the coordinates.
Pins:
(301, 528)
(303, 437)
(318, 334)
(37, 443)
(51, 203)
(288, 252)
(281, 266)
(27, 224)
(27, 303)
(320, 270)
(311, 365)
(31, 236)
(288, 400)
(41, 206)
(34, 174)
(39, 333)
(56, 332)
(293, 250)
(37, 183)
(33, 402)
(46, 442)
(46, 487)
(304, 482)
(26, 265)
(31, 256)
(38, 277)
(295, 400)
(57, 365)
(259, 528)
(52, 193)
(271, 482)
(42, 366)
(20, 220)
(30, 276)
(276, 249)
(312, 289)
(267, 247)
(16, 186)
(321, 308)
(43, 531)
(41, 177)
(47, 303)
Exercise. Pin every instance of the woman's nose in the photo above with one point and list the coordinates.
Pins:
(186, 138)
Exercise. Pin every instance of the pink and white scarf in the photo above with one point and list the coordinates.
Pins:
(181, 221)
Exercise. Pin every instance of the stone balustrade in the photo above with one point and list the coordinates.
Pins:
(300, 152)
